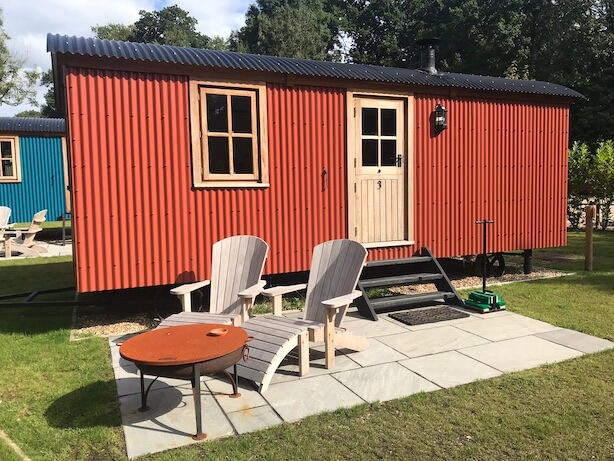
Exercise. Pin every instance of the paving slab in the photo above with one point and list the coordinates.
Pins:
(449, 369)
(254, 419)
(221, 389)
(370, 329)
(431, 341)
(384, 382)
(506, 327)
(576, 340)
(288, 370)
(376, 354)
(296, 400)
(170, 422)
(520, 353)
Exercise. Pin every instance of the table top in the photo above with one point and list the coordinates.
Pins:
(182, 345)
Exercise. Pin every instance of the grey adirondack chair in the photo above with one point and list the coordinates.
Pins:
(24, 241)
(335, 269)
(237, 265)
(5, 214)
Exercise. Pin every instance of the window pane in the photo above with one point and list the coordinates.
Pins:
(218, 155)
(241, 114)
(242, 155)
(7, 168)
(369, 121)
(5, 148)
(369, 152)
(389, 122)
(217, 113)
(389, 152)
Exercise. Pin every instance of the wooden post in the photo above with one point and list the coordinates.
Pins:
(588, 244)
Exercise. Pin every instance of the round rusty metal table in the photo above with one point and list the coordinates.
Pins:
(186, 352)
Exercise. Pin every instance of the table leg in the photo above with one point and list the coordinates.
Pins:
(196, 391)
(144, 406)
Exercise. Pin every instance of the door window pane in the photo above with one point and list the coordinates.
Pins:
(389, 152)
(242, 155)
(241, 114)
(389, 122)
(369, 121)
(369, 152)
(218, 155)
(217, 113)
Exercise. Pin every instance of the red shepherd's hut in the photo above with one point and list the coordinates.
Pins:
(172, 149)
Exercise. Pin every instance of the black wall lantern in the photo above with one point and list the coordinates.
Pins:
(441, 118)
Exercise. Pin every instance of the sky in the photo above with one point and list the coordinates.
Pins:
(28, 22)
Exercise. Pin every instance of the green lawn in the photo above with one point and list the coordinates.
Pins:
(58, 400)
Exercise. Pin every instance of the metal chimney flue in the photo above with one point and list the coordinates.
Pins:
(427, 54)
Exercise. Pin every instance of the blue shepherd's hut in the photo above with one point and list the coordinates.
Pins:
(33, 172)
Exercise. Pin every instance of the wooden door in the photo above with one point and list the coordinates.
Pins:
(380, 179)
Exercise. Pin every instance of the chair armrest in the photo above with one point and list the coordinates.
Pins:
(340, 301)
(253, 291)
(189, 287)
(282, 290)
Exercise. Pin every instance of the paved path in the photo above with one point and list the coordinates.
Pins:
(401, 360)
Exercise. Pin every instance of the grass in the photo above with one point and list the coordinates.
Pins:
(58, 402)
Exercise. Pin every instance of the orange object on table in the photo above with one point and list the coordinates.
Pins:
(181, 345)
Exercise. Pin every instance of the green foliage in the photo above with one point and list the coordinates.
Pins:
(570, 42)
(113, 31)
(16, 84)
(29, 113)
(603, 180)
(49, 108)
(292, 28)
(579, 181)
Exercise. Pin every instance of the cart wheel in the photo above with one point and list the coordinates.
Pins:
(495, 265)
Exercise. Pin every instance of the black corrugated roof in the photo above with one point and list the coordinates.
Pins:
(303, 67)
(31, 125)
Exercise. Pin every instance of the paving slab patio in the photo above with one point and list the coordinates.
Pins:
(401, 360)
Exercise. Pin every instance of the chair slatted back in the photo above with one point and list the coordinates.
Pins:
(237, 264)
(5, 214)
(335, 269)
(35, 226)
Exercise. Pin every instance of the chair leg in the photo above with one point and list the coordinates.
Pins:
(329, 340)
(303, 354)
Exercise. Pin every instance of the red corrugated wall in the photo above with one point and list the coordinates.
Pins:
(137, 219)
(500, 160)
(139, 222)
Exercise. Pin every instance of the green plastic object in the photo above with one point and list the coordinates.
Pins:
(485, 301)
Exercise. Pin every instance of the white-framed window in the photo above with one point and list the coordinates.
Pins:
(10, 170)
(229, 135)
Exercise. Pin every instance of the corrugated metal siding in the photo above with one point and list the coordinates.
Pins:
(42, 180)
(497, 160)
(137, 220)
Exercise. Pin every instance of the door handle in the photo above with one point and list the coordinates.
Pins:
(399, 160)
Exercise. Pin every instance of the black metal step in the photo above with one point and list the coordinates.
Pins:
(400, 280)
(399, 262)
(409, 300)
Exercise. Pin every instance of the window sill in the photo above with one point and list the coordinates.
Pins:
(232, 185)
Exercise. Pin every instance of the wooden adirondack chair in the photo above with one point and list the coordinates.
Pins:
(237, 265)
(335, 269)
(24, 241)
(5, 214)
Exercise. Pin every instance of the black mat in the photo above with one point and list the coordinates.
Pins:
(429, 315)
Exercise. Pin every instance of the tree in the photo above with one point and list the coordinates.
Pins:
(49, 109)
(113, 31)
(29, 113)
(16, 84)
(579, 183)
(291, 28)
(604, 179)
